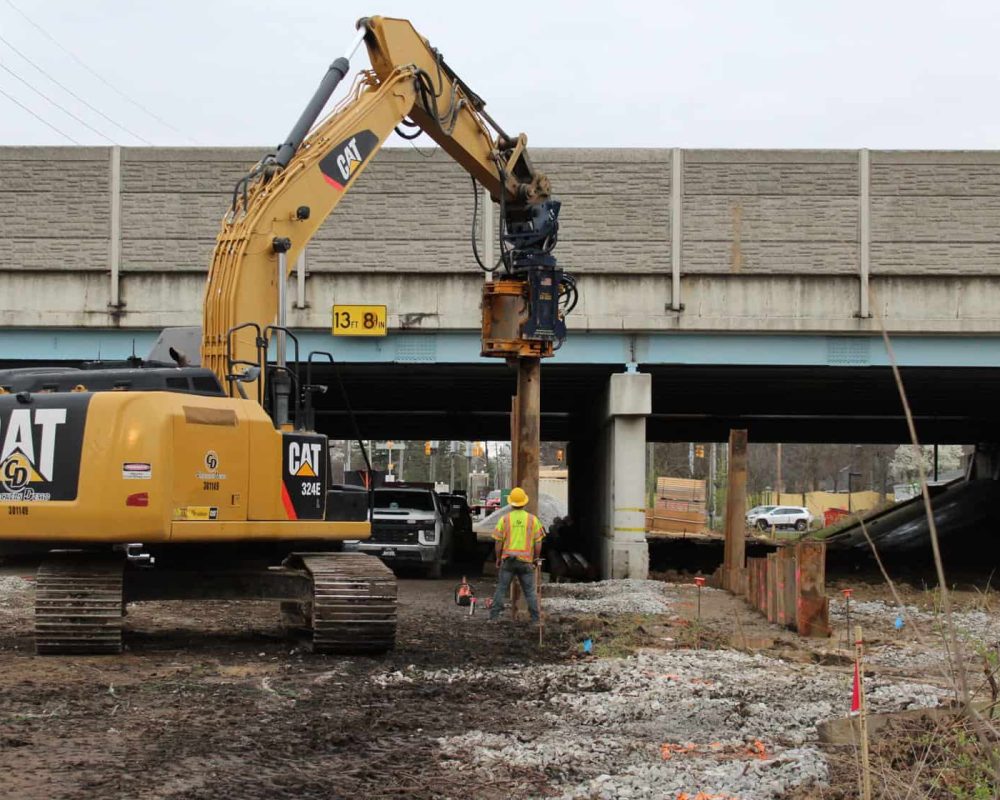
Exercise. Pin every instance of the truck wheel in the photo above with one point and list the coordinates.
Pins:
(762, 524)
(800, 525)
(434, 570)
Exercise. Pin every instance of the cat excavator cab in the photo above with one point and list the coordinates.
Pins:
(170, 481)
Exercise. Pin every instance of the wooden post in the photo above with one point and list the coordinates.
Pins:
(736, 501)
(528, 418)
(859, 654)
(525, 443)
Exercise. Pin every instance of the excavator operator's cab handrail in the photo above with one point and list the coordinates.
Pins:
(233, 378)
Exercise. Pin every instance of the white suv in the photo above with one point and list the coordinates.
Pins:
(785, 517)
(756, 512)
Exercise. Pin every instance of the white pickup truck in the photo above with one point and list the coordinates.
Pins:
(410, 527)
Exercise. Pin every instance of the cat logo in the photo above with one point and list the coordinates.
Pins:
(304, 459)
(28, 451)
(344, 160)
(347, 159)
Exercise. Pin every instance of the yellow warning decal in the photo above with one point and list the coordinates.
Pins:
(196, 513)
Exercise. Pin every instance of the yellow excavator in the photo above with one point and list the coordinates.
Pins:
(170, 481)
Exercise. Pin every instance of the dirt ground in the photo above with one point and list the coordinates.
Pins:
(210, 700)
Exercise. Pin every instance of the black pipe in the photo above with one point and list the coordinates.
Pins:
(334, 75)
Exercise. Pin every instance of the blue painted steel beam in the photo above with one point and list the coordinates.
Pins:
(581, 348)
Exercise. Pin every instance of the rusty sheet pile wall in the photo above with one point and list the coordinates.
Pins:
(789, 588)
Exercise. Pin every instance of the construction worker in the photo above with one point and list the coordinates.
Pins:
(518, 544)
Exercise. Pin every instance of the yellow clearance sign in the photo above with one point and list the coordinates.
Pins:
(359, 320)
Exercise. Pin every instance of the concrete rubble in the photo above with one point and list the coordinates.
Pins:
(607, 597)
(663, 723)
(11, 585)
(920, 645)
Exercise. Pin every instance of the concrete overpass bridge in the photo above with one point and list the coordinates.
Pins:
(719, 289)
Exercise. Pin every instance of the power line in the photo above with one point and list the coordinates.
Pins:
(96, 74)
(17, 102)
(73, 94)
(45, 97)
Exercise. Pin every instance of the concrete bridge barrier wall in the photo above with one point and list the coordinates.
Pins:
(663, 239)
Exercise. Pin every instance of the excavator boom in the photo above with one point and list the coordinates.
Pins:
(278, 207)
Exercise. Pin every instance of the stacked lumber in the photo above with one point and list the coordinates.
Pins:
(679, 506)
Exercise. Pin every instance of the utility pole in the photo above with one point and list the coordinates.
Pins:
(468, 466)
(778, 482)
(736, 508)
(711, 488)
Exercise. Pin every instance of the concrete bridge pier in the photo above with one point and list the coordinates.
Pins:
(985, 462)
(607, 477)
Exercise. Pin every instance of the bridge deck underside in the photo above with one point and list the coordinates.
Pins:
(690, 403)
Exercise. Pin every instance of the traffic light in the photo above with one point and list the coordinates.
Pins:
(559, 455)
(699, 450)
(427, 448)
(477, 450)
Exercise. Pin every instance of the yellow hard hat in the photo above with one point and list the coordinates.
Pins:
(518, 497)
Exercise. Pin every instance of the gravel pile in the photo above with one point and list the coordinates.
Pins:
(606, 597)
(973, 624)
(662, 723)
(12, 586)
(927, 652)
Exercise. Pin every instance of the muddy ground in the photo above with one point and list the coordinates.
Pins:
(210, 700)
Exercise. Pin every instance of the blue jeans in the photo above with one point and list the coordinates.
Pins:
(525, 573)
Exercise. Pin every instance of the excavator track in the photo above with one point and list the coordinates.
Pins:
(353, 608)
(78, 607)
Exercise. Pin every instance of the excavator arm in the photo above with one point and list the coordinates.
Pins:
(281, 203)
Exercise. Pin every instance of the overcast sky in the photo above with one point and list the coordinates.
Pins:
(699, 73)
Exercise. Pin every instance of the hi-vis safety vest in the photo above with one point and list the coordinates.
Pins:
(520, 532)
